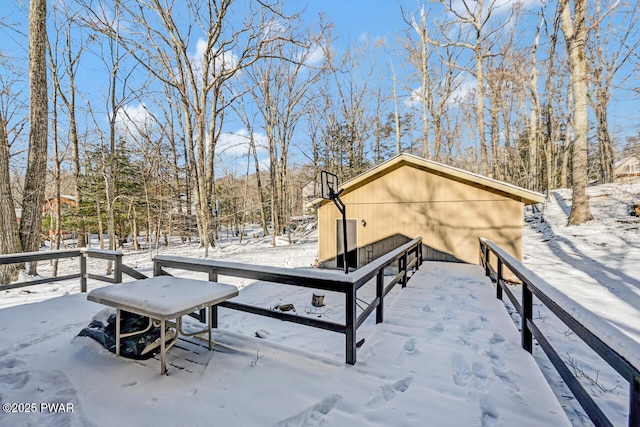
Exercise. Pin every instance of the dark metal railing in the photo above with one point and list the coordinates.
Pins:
(409, 257)
(82, 255)
(531, 286)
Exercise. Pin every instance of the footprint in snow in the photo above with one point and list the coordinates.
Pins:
(460, 370)
(14, 380)
(496, 339)
(506, 379)
(408, 348)
(387, 393)
(489, 411)
(481, 383)
(496, 361)
(436, 330)
(470, 328)
(313, 416)
(11, 363)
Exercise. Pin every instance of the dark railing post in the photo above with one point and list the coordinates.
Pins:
(499, 280)
(403, 266)
(157, 268)
(117, 273)
(213, 277)
(380, 295)
(350, 325)
(487, 268)
(527, 315)
(83, 272)
(634, 402)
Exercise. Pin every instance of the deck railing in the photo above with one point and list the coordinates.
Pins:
(532, 285)
(409, 257)
(82, 255)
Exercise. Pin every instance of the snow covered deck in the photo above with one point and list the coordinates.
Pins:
(447, 354)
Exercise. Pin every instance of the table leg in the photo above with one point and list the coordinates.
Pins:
(118, 332)
(163, 366)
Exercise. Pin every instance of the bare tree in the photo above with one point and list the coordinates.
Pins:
(346, 114)
(119, 91)
(614, 39)
(253, 154)
(281, 87)
(551, 132)
(31, 223)
(12, 124)
(574, 27)
(200, 78)
(69, 62)
(9, 236)
(474, 33)
(55, 237)
(534, 119)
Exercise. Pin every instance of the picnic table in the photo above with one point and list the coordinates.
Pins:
(164, 300)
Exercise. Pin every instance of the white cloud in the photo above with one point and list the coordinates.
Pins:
(466, 86)
(226, 60)
(133, 118)
(500, 6)
(273, 29)
(237, 143)
(314, 57)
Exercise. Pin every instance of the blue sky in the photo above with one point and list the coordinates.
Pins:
(351, 20)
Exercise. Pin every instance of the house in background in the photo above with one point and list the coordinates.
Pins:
(408, 196)
(51, 203)
(627, 169)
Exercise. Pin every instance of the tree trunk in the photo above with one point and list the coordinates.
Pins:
(263, 217)
(575, 33)
(31, 223)
(9, 235)
(605, 146)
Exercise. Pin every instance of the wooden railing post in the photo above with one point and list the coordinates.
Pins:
(403, 266)
(380, 295)
(350, 326)
(487, 267)
(83, 272)
(213, 277)
(157, 268)
(527, 315)
(634, 402)
(499, 280)
(117, 273)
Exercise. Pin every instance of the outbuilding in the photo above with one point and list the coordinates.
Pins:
(408, 196)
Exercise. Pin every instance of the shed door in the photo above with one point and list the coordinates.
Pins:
(352, 243)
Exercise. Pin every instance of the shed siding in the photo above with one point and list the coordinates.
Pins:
(449, 214)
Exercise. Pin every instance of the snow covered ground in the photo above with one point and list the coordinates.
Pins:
(595, 266)
(295, 376)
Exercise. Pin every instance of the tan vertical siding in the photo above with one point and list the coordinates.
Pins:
(448, 213)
